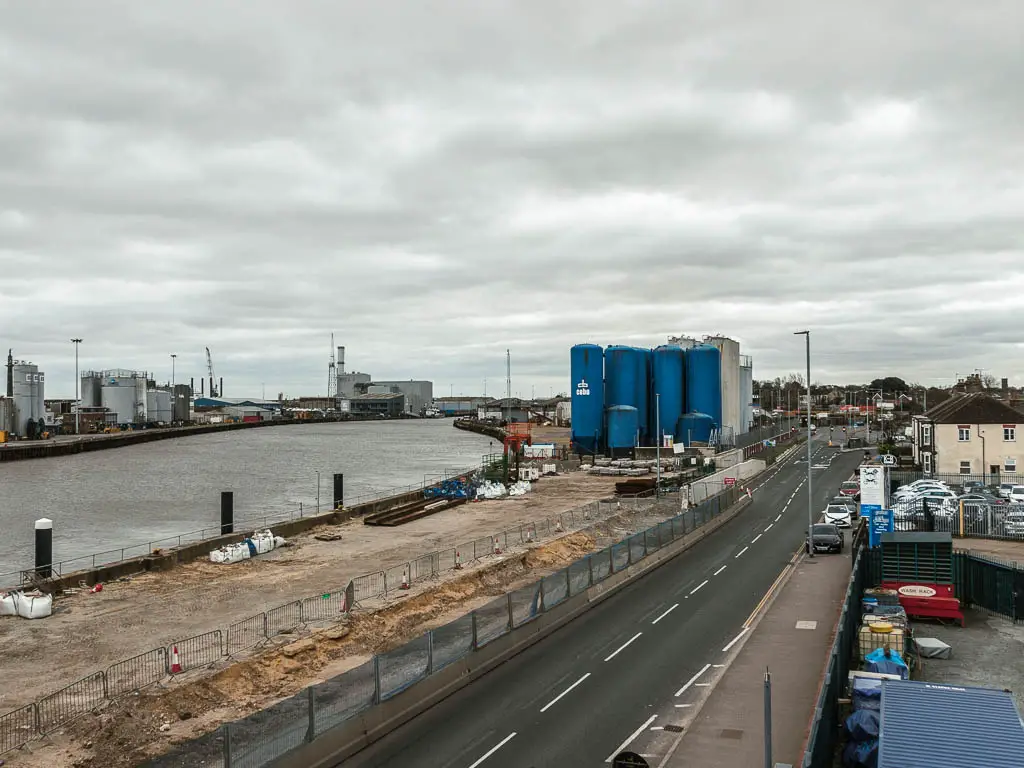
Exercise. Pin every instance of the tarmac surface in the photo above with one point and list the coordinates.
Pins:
(621, 675)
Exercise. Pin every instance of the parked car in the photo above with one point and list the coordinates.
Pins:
(973, 485)
(839, 515)
(1013, 523)
(1004, 489)
(846, 501)
(1017, 494)
(850, 488)
(826, 538)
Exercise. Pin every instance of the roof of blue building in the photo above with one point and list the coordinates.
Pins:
(931, 725)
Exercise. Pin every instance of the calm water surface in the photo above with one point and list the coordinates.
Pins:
(130, 495)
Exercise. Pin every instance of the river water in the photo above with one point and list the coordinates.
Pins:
(107, 499)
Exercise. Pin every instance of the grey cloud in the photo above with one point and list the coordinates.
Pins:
(437, 182)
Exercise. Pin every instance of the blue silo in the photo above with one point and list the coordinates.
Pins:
(586, 363)
(623, 428)
(620, 370)
(704, 381)
(667, 368)
(644, 399)
(694, 428)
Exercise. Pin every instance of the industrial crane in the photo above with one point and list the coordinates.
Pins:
(209, 367)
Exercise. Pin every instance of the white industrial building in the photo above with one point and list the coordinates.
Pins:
(128, 397)
(418, 395)
(24, 413)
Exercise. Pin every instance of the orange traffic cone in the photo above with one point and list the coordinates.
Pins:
(497, 548)
(175, 661)
(458, 561)
(405, 580)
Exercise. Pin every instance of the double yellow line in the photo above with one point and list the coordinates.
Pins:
(773, 587)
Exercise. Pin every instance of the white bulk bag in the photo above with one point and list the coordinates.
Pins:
(34, 605)
(8, 604)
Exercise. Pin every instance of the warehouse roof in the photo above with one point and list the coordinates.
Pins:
(928, 724)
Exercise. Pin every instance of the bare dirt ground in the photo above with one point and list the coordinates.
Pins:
(140, 726)
(88, 632)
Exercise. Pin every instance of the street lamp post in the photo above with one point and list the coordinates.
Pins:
(78, 403)
(657, 430)
(810, 495)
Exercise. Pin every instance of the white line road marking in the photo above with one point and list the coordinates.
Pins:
(756, 538)
(779, 517)
(554, 701)
(683, 706)
(719, 570)
(692, 680)
(622, 648)
(699, 586)
(769, 527)
(703, 685)
(494, 749)
(657, 727)
(742, 551)
(666, 613)
(735, 640)
(719, 666)
(627, 742)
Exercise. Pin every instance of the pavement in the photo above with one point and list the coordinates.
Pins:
(633, 663)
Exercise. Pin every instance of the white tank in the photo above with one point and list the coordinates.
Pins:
(141, 401)
(91, 390)
(119, 399)
(163, 406)
(28, 396)
(151, 406)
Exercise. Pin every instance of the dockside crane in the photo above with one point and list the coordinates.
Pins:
(214, 392)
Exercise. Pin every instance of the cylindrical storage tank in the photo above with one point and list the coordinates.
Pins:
(120, 401)
(91, 391)
(39, 408)
(621, 365)
(163, 407)
(643, 395)
(151, 407)
(694, 428)
(668, 364)
(623, 428)
(586, 364)
(704, 382)
(24, 396)
(141, 401)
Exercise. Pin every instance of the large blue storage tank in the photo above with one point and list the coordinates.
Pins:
(586, 364)
(621, 365)
(644, 405)
(704, 381)
(667, 368)
(694, 428)
(623, 426)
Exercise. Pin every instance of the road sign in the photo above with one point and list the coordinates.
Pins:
(889, 460)
(730, 481)
(880, 521)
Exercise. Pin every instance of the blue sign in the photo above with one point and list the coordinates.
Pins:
(881, 521)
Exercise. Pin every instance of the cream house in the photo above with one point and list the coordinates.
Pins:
(972, 434)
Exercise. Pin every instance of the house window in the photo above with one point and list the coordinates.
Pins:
(927, 463)
(926, 434)
(964, 434)
(965, 467)
(1010, 465)
(1009, 433)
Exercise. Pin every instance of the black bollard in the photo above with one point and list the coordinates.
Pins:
(44, 547)
(227, 512)
(339, 490)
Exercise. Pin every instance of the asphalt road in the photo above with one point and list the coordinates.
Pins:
(633, 662)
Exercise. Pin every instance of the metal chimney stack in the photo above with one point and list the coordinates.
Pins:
(341, 360)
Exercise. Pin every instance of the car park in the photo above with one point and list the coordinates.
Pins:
(1004, 489)
(825, 538)
(1013, 523)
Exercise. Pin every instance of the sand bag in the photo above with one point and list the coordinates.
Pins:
(34, 605)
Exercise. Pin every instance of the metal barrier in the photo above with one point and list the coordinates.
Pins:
(18, 727)
(196, 651)
(71, 702)
(284, 618)
(136, 673)
(330, 606)
(246, 633)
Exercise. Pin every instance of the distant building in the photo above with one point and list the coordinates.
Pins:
(512, 409)
(350, 383)
(418, 394)
(970, 434)
(459, 406)
(389, 405)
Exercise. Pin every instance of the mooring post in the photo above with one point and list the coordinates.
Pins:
(44, 547)
(227, 512)
(339, 490)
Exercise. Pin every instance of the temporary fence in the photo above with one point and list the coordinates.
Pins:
(265, 736)
(207, 649)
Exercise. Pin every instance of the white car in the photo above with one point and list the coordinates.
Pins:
(1004, 490)
(1017, 494)
(838, 515)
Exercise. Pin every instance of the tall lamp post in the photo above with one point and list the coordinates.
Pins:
(173, 356)
(810, 495)
(78, 403)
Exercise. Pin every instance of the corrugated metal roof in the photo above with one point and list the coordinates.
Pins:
(930, 725)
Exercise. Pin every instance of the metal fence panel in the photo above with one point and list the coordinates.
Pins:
(395, 576)
(526, 604)
(637, 548)
(137, 672)
(556, 589)
(602, 564)
(343, 696)
(70, 702)
(446, 559)
(425, 567)
(651, 540)
(579, 576)
(284, 618)
(452, 641)
(403, 666)
(492, 620)
(620, 555)
(196, 651)
(246, 633)
(17, 728)
(268, 734)
(368, 586)
(330, 606)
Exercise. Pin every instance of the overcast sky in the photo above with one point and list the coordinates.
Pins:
(436, 182)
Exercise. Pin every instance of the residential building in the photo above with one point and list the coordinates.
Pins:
(971, 434)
